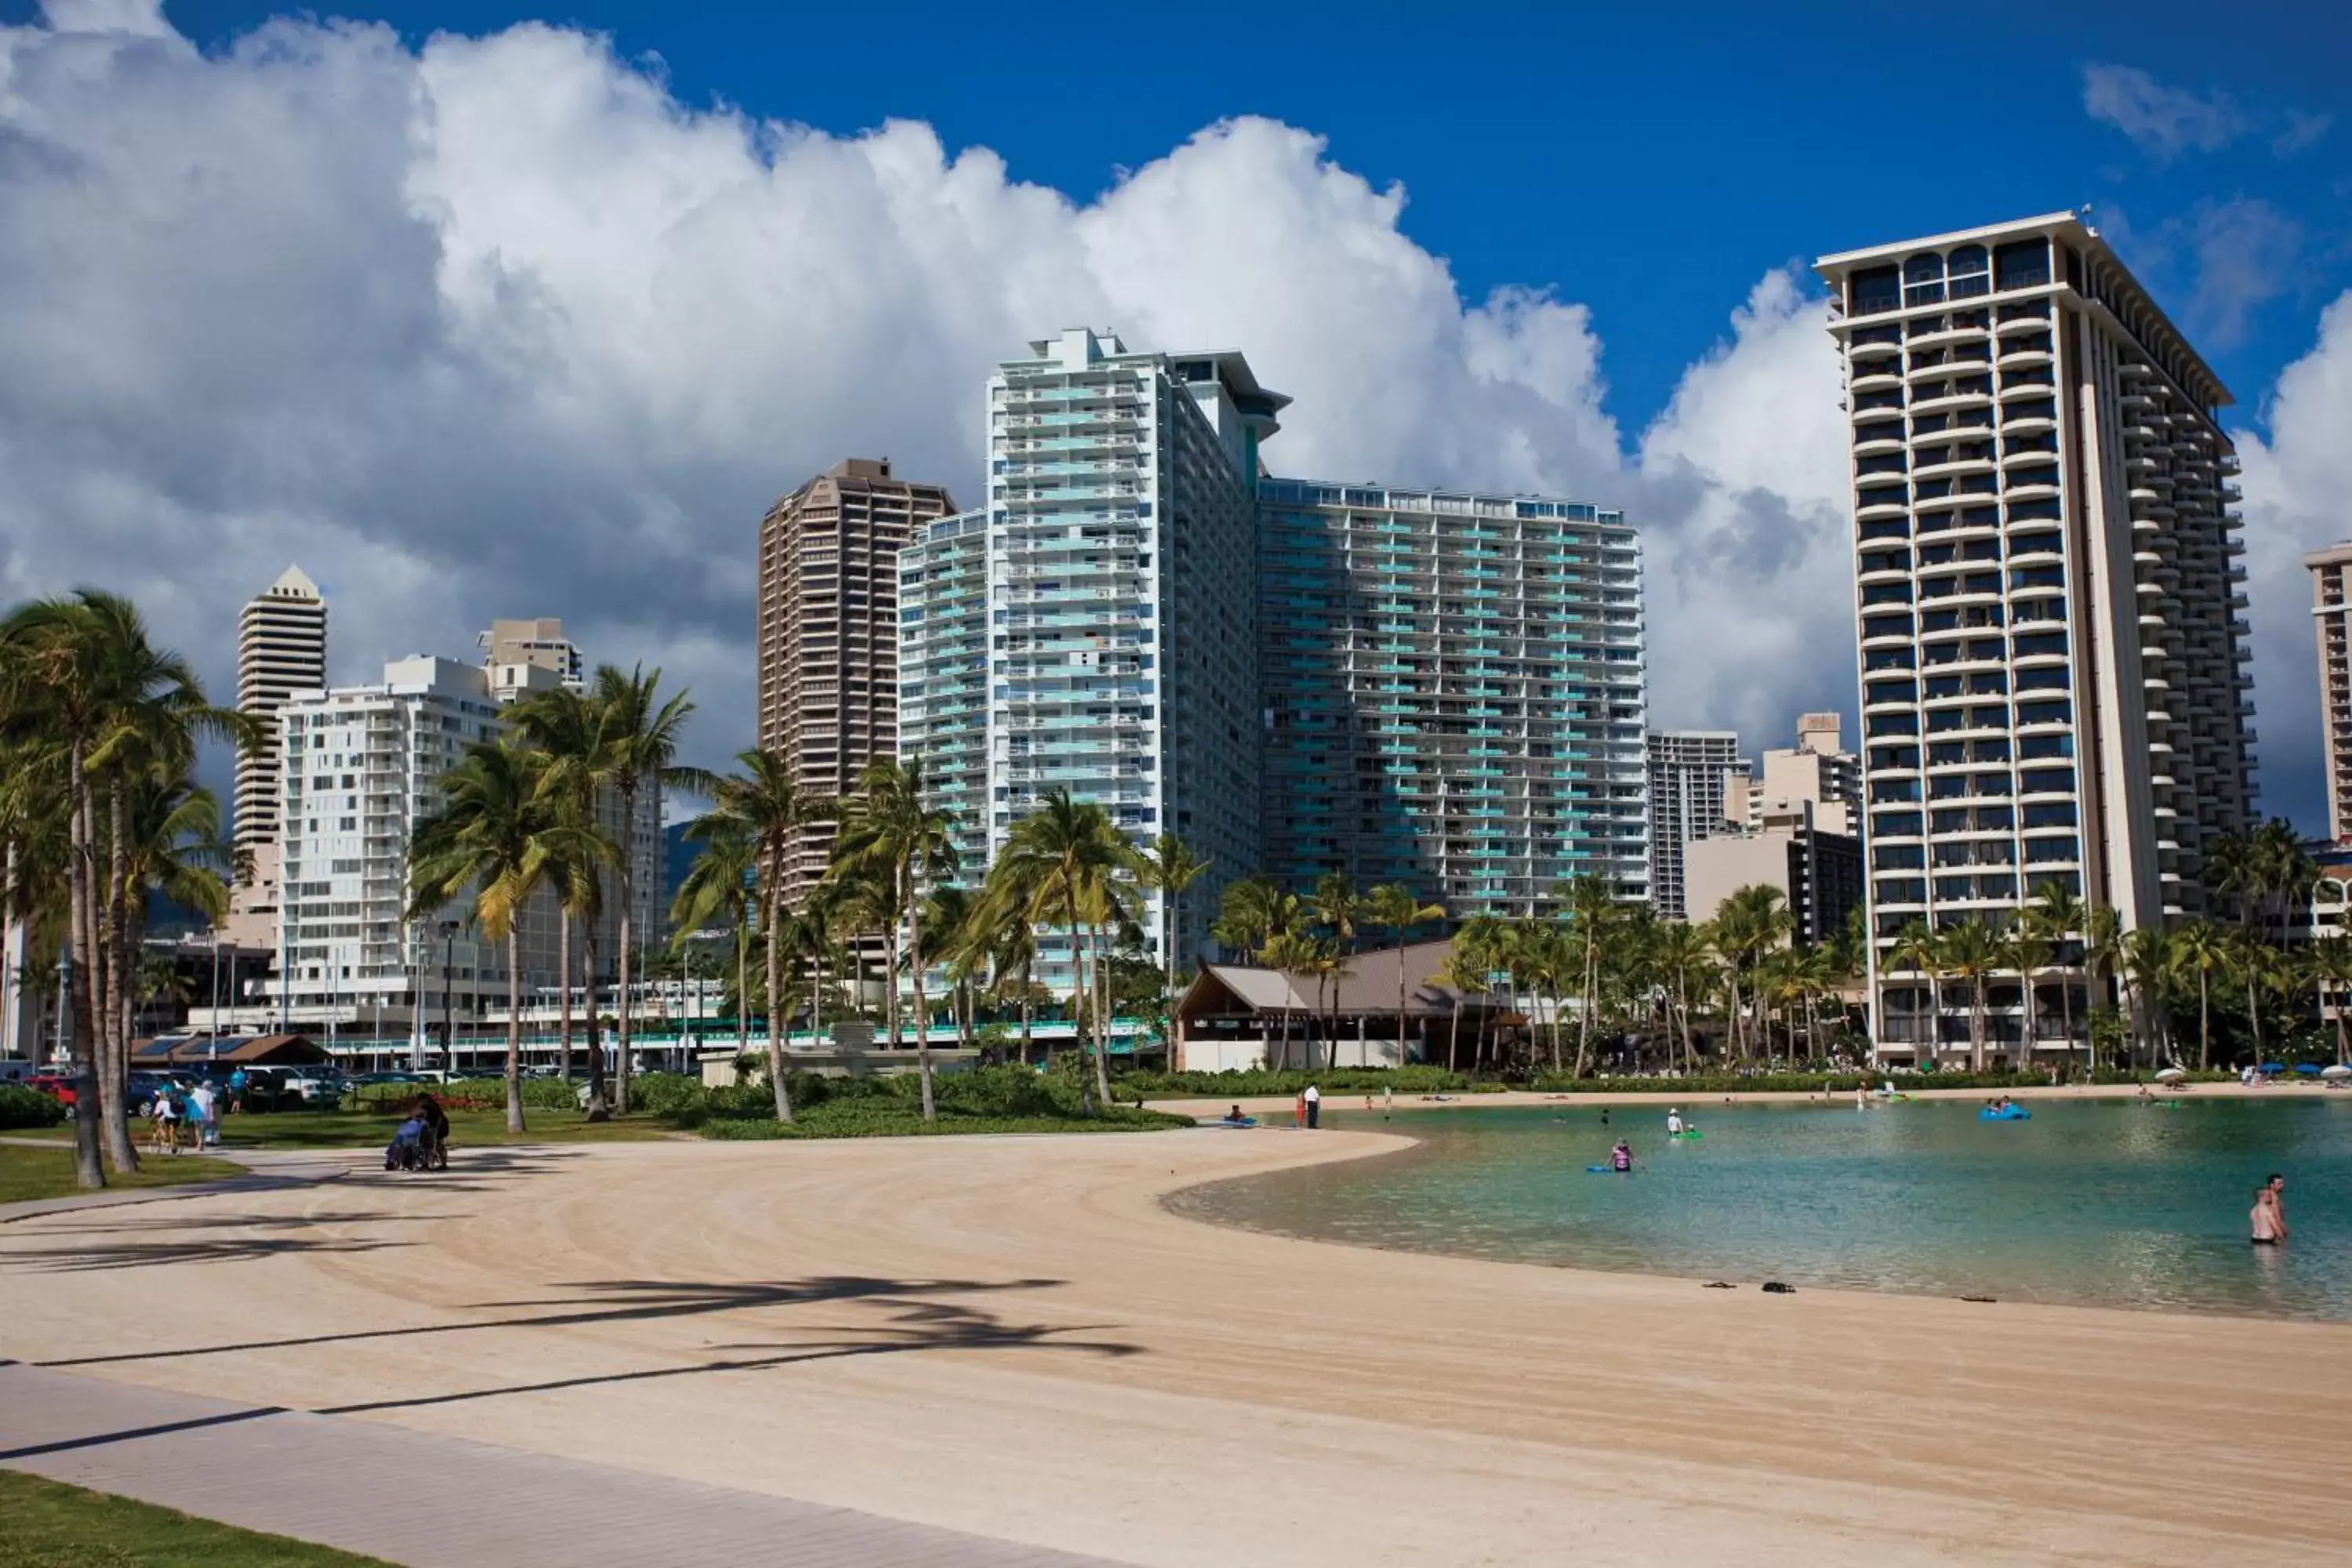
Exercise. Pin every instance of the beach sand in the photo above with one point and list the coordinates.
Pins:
(1013, 1337)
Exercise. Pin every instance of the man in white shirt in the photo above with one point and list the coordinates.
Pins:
(208, 1118)
(1674, 1123)
(1314, 1105)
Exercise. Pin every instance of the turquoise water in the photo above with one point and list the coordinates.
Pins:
(2107, 1203)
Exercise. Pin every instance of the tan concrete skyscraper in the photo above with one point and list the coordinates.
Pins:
(829, 629)
(2331, 611)
(282, 649)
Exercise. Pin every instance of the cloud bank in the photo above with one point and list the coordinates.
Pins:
(496, 326)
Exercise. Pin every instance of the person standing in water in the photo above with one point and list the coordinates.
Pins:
(1674, 1123)
(2269, 1217)
(1314, 1098)
(1621, 1158)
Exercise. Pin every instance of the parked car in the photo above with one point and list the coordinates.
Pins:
(57, 1086)
(313, 1085)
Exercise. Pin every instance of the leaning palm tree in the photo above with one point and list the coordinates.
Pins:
(639, 733)
(1395, 906)
(1291, 955)
(1253, 912)
(492, 842)
(1914, 951)
(82, 676)
(1461, 974)
(1592, 912)
(2030, 954)
(1167, 867)
(888, 832)
(1683, 957)
(2147, 969)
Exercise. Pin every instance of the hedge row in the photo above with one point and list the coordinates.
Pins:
(22, 1107)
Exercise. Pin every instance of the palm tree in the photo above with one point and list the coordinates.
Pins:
(2030, 953)
(2103, 954)
(1063, 858)
(2283, 869)
(2057, 917)
(1462, 973)
(1916, 951)
(1592, 908)
(1684, 955)
(1751, 922)
(2331, 967)
(719, 885)
(1290, 954)
(1252, 913)
(569, 728)
(1972, 950)
(1337, 907)
(1167, 867)
(1395, 906)
(2202, 949)
(2147, 966)
(639, 733)
(765, 809)
(889, 833)
(83, 678)
(2255, 962)
(498, 834)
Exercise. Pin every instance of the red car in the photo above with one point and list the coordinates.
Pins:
(55, 1084)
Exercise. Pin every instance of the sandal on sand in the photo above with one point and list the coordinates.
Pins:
(1718, 1285)
(1775, 1288)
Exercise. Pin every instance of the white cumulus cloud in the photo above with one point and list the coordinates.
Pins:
(497, 326)
(2166, 120)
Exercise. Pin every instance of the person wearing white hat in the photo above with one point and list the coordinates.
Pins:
(1674, 1123)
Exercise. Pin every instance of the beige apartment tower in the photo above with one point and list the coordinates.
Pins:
(2331, 611)
(282, 649)
(829, 630)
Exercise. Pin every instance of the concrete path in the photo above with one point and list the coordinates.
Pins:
(411, 1498)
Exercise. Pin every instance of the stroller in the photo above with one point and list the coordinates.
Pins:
(406, 1150)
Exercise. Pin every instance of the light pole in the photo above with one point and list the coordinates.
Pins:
(448, 1008)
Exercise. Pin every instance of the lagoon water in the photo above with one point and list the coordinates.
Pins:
(2110, 1202)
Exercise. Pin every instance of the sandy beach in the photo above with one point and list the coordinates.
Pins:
(1013, 1337)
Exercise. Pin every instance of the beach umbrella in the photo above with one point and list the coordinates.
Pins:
(2307, 1068)
(2272, 1066)
(2335, 1072)
(2170, 1074)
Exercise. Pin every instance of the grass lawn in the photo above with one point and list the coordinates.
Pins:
(51, 1525)
(467, 1128)
(26, 1173)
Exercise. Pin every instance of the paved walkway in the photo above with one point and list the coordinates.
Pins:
(266, 1170)
(412, 1497)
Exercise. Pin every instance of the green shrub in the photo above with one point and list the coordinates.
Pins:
(22, 1107)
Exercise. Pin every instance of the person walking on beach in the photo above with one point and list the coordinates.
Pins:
(2269, 1217)
(204, 1111)
(1314, 1099)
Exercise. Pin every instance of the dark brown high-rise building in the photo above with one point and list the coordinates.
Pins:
(829, 629)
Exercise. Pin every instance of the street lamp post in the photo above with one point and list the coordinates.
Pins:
(448, 1008)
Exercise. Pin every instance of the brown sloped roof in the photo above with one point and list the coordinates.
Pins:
(252, 1051)
(1369, 986)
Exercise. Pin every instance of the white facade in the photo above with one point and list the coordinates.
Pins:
(1121, 544)
(2050, 608)
(943, 672)
(1694, 776)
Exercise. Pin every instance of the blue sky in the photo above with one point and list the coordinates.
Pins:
(484, 310)
(1647, 160)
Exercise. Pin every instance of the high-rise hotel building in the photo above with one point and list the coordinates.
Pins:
(1437, 688)
(828, 632)
(1113, 573)
(1694, 776)
(1453, 693)
(282, 649)
(2050, 605)
(2331, 612)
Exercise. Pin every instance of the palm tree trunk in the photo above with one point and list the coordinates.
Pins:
(774, 886)
(113, 1078)
(597, 1108)
(743, 981)
(923, 1013)
(564, 991)
(2204, 1021)
(2254, 1015)
(89, 1171)
(1028, 1010)
(514, 1029)
(1102, 1020)
(628, 932)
